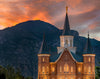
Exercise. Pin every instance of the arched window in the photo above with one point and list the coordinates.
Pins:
(53, 69)
(65, 77)
(89, 59)
(60, 69)
(71, 68)
(66, 68)
(71, 77)
(43, 69)
(43, 59)
(60, 77)
(47, 69)
(79, 69)
(89, 69)
(85, 69)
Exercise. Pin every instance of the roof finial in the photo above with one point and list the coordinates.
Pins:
(88, 34)
(66, 30)
(67, 9)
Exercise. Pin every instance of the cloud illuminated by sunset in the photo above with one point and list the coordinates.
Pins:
(83, 14)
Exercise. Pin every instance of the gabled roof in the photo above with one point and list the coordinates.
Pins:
(43, 48)
(88, 47)
(66, 30)
(75, 57)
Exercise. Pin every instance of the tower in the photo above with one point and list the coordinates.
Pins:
(88, 61)
(66, 40)
(43, 61)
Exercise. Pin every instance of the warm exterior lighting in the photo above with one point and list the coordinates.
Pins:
(47, 69)
(53, 69)
(60, 69)
(89, 59)
(66, 68)
(43, 69)
(79, 69)
(65, 65)
(71, 69)
(89, 69)
(43, 59)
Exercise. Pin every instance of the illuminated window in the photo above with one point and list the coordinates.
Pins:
(89, 59)
(53, 69)
(71, 69)
(93, 69)
(66, 68)
(60, 77)
(79, 69)
(65, 77)
(85, 69)
(43, 59)
(60, 69)
(89, 69)
(71, 77)
(43, 69)
(47, 69)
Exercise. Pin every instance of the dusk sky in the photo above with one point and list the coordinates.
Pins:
(84, 15)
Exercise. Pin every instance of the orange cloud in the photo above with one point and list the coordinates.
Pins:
(81, 12)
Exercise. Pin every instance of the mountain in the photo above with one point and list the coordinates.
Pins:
(20, 44)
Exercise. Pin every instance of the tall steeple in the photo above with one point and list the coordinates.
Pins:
(43, 48)
(66, 30)
(88, 48)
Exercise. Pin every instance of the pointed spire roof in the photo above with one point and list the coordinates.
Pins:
(43, 48)
(88, 48)
(66, 30)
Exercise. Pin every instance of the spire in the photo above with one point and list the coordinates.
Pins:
(88, 48)
(66, 30)
(43, 48)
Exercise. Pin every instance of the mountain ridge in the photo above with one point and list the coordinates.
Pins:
(20, 44)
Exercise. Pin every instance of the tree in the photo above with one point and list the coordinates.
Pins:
(98, 71)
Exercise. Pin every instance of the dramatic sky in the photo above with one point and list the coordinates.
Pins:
(84, 15)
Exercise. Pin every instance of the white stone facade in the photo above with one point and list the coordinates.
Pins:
(66, 42)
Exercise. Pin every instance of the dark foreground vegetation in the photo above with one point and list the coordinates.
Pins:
(11, 73)
(97, 71)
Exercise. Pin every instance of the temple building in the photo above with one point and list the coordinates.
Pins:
(65, 65)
